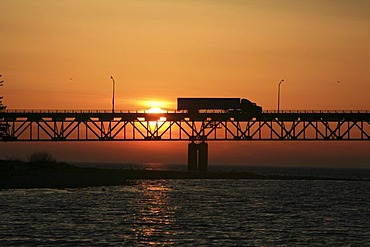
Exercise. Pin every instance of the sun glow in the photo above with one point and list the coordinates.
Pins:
(155, 110)
(155, 106)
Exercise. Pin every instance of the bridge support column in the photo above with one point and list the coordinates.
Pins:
(197, 156)
(192, 157)
(202, 156)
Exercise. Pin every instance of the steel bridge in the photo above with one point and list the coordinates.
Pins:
(196, 128)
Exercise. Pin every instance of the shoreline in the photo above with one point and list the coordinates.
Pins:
(21, 175)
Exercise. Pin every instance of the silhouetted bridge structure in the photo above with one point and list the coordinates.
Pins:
(196, 128)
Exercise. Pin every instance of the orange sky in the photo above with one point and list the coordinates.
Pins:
(61, 54)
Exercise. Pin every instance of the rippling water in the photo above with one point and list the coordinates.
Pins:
(191, 213)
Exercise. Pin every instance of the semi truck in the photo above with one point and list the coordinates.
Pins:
(193, 105)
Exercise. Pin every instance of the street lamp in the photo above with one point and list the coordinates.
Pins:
(279, 95)
(2, 107)
(113, 93)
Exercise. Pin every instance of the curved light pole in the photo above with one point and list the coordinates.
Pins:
(279, 95)
(113, 93)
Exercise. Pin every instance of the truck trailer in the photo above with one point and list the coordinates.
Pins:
(226, 104)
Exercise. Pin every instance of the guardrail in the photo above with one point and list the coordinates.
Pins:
(81, 111)
(175, 111)
(316, 111)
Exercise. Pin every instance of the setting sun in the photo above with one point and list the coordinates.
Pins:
(155, 110)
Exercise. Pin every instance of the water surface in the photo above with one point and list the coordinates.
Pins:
(191, 213)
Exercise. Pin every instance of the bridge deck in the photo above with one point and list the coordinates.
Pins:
(57, 125)
(179, 115)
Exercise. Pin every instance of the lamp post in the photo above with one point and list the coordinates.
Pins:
(279, 95)
(113, 93)
(2, 107)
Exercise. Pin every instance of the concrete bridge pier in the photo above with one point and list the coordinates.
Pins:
(197, 156)
(192, 157)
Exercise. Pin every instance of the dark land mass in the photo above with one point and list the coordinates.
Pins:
(20, 175)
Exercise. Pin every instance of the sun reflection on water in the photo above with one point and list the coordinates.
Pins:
(155, 217)
(155, 166)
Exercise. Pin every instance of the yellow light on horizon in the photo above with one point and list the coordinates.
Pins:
(155, 110)
(154, 103)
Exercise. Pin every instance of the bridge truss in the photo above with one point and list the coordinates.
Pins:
(28, 126)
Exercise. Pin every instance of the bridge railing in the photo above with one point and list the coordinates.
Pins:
(175, 111)
(81, 111)
(317, 111)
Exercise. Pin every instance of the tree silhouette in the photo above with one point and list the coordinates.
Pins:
(41, 157)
